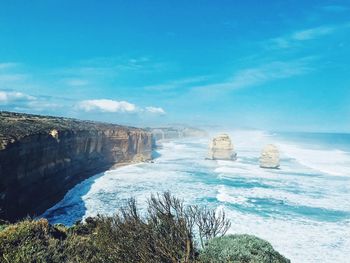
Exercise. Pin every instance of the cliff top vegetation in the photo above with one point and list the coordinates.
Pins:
(15, 126)
(167, 232)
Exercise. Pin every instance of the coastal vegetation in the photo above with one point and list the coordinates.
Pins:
(168, 231)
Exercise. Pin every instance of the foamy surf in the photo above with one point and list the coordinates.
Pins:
(333, 162)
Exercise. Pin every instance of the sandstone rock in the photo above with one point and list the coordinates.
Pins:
(221, 148)
(269, 157)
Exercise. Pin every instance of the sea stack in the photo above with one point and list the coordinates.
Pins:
(221, 148)
(270, 157)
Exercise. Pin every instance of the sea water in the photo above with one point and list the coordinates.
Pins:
(302, 209)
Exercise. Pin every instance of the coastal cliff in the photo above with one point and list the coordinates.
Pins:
(42, 157)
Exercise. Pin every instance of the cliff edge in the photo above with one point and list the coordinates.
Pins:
(42, 157)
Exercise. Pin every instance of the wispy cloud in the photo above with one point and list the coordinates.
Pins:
(313, 33)
(335, 8)
(7, 65)
(14, 77)
(156, 110)
(11, 75)
(109, 67)
(12, 96)
(300, 36)
(175, 84)
(19, 101)
(268, 72)
(259, 75)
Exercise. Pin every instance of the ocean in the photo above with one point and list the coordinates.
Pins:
(302, 209)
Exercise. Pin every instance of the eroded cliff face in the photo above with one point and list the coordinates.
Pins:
(41, 158)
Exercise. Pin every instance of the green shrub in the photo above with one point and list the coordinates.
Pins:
(240, 249)
(27, 241)
(164, 234)
(3, 223)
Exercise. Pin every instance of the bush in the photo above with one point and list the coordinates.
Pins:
(240, 249)
(165, 233)
(27, 241)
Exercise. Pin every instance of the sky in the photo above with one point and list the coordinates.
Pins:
(273, 65)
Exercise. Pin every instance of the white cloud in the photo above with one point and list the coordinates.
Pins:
(105, 105)
(113, 106)
(156, 110)
(13, 96)
(313, 33)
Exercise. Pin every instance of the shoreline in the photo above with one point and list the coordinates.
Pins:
(114, 167)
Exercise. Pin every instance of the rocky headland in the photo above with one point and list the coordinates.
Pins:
(42, 157)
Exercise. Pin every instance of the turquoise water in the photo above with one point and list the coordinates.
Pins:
(303, 209)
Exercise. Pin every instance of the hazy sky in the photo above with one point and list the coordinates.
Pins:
(280, 65)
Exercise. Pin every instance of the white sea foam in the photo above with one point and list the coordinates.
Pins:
(140, 182)
(302, 241)
(334, 202)
(334, 162)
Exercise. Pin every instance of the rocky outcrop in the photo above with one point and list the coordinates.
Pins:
(221, 148)
(270, 157)
(41, 158)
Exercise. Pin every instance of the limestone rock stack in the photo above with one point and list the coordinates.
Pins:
(270, 157)
(221, 148)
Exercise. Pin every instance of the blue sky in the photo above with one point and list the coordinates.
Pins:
(276, 65)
